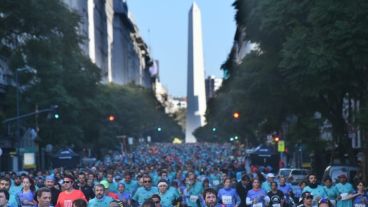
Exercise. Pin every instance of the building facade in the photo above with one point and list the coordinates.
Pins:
(212, 85)
(113, 41)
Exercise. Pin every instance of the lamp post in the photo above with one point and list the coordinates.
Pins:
(18, 70)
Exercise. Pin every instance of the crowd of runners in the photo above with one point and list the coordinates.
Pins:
(167, 175)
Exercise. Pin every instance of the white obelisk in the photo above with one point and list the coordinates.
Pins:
(196, 92)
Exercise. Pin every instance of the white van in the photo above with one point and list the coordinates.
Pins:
(333, 171)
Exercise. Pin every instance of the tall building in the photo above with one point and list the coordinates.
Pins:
(212, 85)
(196, 97)
(113, 41)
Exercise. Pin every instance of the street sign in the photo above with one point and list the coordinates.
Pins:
(281, 146)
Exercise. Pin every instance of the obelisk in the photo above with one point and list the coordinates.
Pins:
(196, 95)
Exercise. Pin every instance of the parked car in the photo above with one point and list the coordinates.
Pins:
(297, 175)
(284, 172)
(333, 171)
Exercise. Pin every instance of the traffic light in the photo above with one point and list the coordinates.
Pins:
(276, 138)
(236, 115)
(54, 113)
(214, 129)
(159, 129)
(111, 118)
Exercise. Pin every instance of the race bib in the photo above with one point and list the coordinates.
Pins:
(216, 182)
(276, 205)
(257, 205)
(333, 202)
(359, 205)
(227, 200)
(193, 198)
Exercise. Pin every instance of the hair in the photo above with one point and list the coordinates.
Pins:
(227, 178)
(327, 178)
(6, 193)
(148, 203)
(156, 196)
(31, 181)
(146, 176)
(209, 191)
(6, 179)
(273, 182)
(71, 177)
(79, 203)
(42, 190)
(98, 185)
(245, 177)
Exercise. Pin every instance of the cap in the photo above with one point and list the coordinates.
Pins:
(105, 183)
(50, 177)
(117, 177)
(270, 175)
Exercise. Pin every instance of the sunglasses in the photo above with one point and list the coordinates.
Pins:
(309, 197)
(157, 202)
(147, 181)
(67, 181)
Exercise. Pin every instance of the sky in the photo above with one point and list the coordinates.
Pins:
(163, 24)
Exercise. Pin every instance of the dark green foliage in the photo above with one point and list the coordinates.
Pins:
(312, 55)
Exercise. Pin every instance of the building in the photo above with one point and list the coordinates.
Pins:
(212, 85)
(113, 41)
(196, 97)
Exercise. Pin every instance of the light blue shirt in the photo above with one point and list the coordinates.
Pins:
(142, 194)
(103, 202)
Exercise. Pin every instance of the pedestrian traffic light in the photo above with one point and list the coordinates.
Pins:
(236, 115)
(111, 118)
(53, 112)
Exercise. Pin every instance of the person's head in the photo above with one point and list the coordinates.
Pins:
(4, 198)
(307, 198)
(79, 203)
(191, 179)
(302, 184)
(28, 183)
(68, 182)
(99, 190)
(82, 178)
(121, 187)
(127, 177)
(270, 177)
(343, 178)
(162, 186)
(312, 178)
(210, 197)
(227, 182)
(163, 174)
(156, 199)
(148, 203)
(360, 186)
(273, 186)
(49, 181)
(110, 177)
(43, 197)
(5, 183)
(245, 180)
(327, 182)
(17, 180)
(324, 203)
(117, 178)
(256, 183)
(147, 181)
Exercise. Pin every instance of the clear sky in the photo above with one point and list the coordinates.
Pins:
(163, 24)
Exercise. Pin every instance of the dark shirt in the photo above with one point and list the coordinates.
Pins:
(275, 198)
(242, 192)
(87, 191)
(54, 195)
